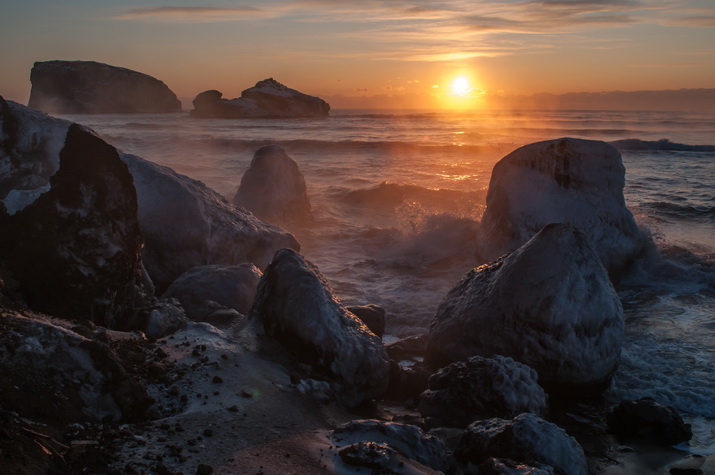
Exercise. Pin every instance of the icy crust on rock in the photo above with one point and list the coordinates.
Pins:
(89, 87)
(549, 305)
(186, 224)
(273, 188)
(574, 181)
(268, 98)
(527, 439)
(296, 305)
(408, 440)
(205, 290)
(69, 377)
(480, 388)
(30, 144)
(76, 249)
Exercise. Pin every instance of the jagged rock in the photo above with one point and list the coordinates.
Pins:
(88, 87)
(410, 347)
(574, 181)
(296, 305)
(526, 439)
(185, 224)
(549, 305)
(164, 318)
(207, 291)
(407, 440)
(481, 388)
(648, 419)
(494, 466)
(273, 188)
(70, 234)
(371, 315)
(268, 98)
(50, 373)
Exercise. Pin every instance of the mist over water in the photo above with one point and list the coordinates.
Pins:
(397, 197)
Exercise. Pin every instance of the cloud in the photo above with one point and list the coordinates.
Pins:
(191, 14)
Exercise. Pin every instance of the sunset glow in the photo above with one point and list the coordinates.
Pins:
(460, 86)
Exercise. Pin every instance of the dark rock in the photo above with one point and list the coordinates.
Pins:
(369, 454)
(407, 440)
(526, 439)
(88, 87)
(494, 466)
(373, 316)
(407, 383)
(407, 348)
(481, 388)
(647, 419)
(268, 98)
(209, 293)
(273, 188)
(574, 181)
(164, 317)
(204, 469)
(549, 305)
(71, 238)
(185, 225)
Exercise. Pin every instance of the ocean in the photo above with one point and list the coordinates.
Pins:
(397, 195)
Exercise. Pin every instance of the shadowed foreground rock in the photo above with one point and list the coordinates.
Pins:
(573, 181)
(649, 420)
(88, 87)
(273, 188)
(268, 98)
(72, 240)
(296, 305)
(549, 305)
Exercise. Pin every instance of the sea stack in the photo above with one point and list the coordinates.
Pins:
(267, 99)
(88, 87)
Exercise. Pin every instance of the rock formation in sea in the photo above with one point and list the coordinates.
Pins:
(268, 98)
(480, 388)
(185, 224)
(88, 87)
(549, 305)
(295, 305)
(273, 188)
(70, 234)
(526, 439)
(574, 181)
(647, 419)
(216, 294)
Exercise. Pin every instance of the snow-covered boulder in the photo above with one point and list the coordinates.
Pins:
(549, 305)
(185, 224)
(70, 233)
(273, 188)
(88, 87)
(527, 439)
(574, 181)
(407, 440)
(268, 98)
(479, 388)
(204, 290)
(296, 305)
(51, 373)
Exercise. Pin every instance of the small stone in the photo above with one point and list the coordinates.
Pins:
(218, 379)
(233, 408)
(204, 469)
(246, 393)
(208, 432)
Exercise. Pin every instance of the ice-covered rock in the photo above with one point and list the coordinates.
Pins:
(164, 317)
(185, 224)
(479, 388)
(73, 240)
(407, 440)
(268, 98)
(549, 305)
(296, 305)
(574, 181)
(527, 439)
(88, 87)
(273, 188)
(205, 290)
(648, 419)
(49, 372)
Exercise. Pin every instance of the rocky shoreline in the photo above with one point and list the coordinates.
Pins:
(162, 330)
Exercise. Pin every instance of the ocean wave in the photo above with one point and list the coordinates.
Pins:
(662, 145)
(685, 212)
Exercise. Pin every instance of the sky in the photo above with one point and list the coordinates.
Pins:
(391, 52)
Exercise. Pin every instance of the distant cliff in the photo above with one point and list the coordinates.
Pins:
(268, 98)
(88, 87)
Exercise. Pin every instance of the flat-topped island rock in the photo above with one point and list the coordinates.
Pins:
(268, 99)
(89, 87)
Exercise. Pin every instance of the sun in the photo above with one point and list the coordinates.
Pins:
(460, 86)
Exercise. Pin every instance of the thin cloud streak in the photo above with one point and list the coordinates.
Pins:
(192, 14)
